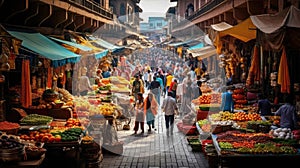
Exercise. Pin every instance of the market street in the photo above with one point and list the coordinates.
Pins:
(155, 149)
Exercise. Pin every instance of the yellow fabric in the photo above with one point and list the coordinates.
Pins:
(179, 51)
(218, 43)
(244, 31)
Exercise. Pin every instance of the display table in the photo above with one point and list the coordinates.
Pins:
(233, 159)
(59, 113)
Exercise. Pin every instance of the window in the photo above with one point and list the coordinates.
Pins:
(159, 24)
(122, 9)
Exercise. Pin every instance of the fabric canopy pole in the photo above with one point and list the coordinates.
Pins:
(26, 98)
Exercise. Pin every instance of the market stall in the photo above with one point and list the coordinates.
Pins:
(245, 138)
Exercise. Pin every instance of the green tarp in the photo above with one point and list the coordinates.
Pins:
(47, 48)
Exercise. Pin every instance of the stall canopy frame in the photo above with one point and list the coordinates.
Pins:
(79, 46)
(204, 52)
(45, 47)
(105, 44)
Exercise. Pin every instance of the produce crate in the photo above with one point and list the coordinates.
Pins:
(189, 130)
(195, 145)
(216, 129)
(191, 138)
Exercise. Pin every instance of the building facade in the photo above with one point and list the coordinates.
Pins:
(75, 15)
(127, 13)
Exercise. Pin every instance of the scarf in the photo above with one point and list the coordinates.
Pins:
(153, 106)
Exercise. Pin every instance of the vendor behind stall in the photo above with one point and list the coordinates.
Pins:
(264, 105)
(84, 83)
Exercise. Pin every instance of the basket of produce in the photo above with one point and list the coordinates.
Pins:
(34, 152)
(195, 145)
(50, 95)
(57, 104)
(9, 127)
(10, 149)
(36, 119)
(204, 107)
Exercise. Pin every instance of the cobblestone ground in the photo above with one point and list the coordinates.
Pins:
(155, 149)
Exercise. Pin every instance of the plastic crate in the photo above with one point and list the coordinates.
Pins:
(189, 130)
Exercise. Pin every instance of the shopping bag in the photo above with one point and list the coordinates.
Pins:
(127, 126)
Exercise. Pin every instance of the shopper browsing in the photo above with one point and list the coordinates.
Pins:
(139, 116)
(150, 108)
(287, 113)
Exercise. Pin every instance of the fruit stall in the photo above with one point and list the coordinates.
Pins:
(64, 127)
(106, 109)
(246, 138)
(40, 139)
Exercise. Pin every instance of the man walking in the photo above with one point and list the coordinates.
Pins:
(169, 107)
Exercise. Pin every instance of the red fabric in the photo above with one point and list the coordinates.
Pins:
(26, 98)
(49, 78)
(254, 71)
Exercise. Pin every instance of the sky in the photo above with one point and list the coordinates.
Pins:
(157, 8)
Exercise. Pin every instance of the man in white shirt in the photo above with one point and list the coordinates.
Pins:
(169, 107)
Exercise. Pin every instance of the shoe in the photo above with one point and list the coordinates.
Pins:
(149, 130)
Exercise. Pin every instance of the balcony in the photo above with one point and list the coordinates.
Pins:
(93, 7)
(207, 7)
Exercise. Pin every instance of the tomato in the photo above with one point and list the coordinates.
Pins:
(37, 137)
(51, 139)
(41, 135)
(45, 139)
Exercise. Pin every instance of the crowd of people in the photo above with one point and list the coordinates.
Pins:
(162, 81)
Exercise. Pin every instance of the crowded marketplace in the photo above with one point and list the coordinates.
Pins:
(92, 84)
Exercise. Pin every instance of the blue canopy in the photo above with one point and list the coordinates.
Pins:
(79, 46)
(45, 47)
(197, 46)
(105, 44)
(101, 54)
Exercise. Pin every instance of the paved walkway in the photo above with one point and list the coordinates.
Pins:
(155, 149)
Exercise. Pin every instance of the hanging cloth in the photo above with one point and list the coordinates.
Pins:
(49, 77)
(254, 71)
(26, 98)
(283, 74)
